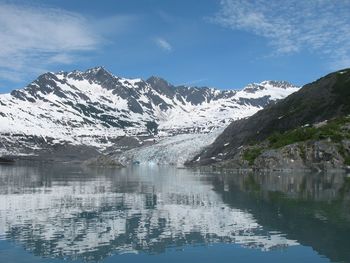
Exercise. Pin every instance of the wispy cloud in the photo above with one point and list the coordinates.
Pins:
(320, 26)
(33, 38)
(163, 44)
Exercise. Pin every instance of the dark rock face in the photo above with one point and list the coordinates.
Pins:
(162, 86)
(324, 99)
(259, 102)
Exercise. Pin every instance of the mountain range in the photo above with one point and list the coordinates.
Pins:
(96, 108)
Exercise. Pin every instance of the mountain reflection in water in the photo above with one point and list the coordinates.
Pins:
(89, 214)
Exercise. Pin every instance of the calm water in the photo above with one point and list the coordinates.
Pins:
(161, 214)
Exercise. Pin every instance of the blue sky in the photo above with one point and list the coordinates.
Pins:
(225, 44)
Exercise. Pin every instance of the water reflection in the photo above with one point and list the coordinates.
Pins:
(76, 213)
(313, 209)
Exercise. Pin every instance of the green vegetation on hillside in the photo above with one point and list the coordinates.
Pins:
(251, 154)
(334, 130)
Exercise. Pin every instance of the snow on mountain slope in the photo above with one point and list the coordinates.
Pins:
(94, 107)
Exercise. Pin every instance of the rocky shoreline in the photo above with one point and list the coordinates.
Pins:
(311, 155)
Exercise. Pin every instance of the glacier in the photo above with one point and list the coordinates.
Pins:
(175, 150)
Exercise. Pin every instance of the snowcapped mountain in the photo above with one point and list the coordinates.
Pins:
(94, 107)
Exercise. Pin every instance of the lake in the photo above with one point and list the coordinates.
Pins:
(68, 213)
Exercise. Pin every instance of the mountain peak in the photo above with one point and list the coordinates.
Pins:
(268, 85)
(161, 85)
(154, 80)
(96, 69)
(99, 70)
(276, 83)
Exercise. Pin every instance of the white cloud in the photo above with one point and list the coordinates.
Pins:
(319, 26)
(33, 38)
(163, 44)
